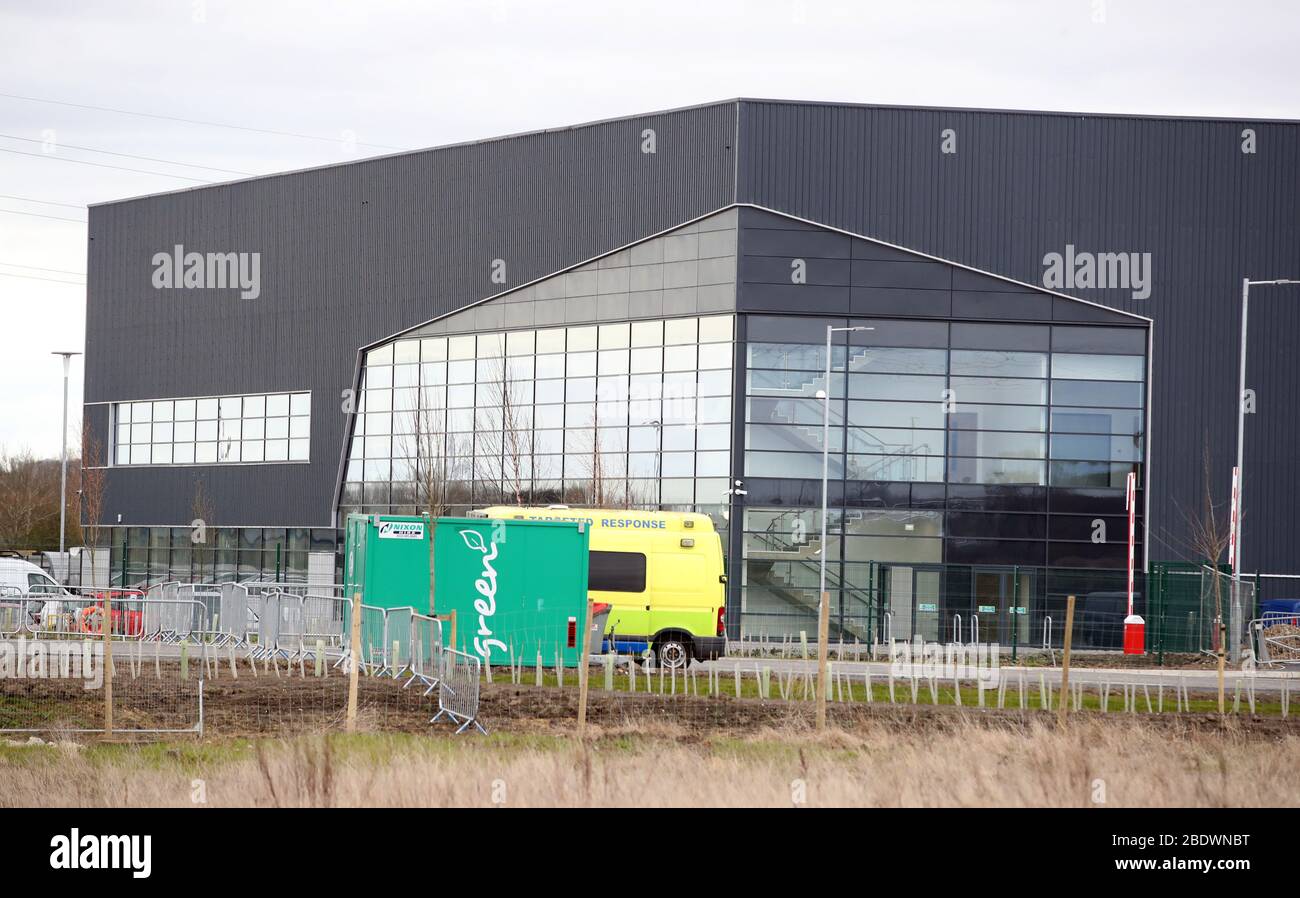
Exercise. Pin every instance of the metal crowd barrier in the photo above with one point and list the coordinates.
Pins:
(325, 619)
(1276, 639)
(426, 652)
(397, 640)
(232, 616)
(266, 622)
(458, 690)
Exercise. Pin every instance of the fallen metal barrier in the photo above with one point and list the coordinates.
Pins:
(458, 690)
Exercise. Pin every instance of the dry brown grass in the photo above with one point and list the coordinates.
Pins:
(659, 763)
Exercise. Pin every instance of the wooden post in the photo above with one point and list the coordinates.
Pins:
(356, 663)
(1223, 638)
(1064, 708)
(583, 677)
(450, 618)
(108, 662)
(823, 651)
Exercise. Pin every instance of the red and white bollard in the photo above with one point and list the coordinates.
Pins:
(1135, 635)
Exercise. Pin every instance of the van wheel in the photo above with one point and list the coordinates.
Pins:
(672, 652)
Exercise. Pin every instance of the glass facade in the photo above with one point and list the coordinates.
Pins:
(960, 454)
(213, 430)
(160, 554)
(623, 414)
(976, 467)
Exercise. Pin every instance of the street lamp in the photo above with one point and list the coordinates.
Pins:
(824, 604)
(63, 478)
(1246, 284)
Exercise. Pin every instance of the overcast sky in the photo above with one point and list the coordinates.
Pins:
(368, 77)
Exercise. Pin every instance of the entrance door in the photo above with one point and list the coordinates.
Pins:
(1000, 597)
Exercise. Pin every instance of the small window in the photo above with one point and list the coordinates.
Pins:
(39, 584)
(616, 572)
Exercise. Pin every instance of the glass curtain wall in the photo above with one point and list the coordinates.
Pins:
(993, 446)
(161, 554)
(623, 414)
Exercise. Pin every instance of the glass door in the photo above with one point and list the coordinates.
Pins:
(1000, 600)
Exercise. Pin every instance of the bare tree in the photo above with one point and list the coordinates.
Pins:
(92, 494)
(503, 427)
(203, 514)
(438, 466)
(29, 499)
(1210, 531)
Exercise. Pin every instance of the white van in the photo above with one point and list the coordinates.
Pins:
(22, 578)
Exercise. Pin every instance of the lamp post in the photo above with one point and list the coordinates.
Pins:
(1246, 284)
(824, 604)
(63, 478)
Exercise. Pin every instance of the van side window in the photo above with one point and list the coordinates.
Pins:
(39, 584)
(616, 572)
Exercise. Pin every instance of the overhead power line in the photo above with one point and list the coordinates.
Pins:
(190, 121)
(141, 171)
(39, 268)
(39, 215)
(32, 277)
(73, 146)
(31, 199)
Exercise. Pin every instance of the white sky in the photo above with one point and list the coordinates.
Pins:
(411, 74)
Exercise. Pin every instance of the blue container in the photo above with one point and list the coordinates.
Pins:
(1287, 610)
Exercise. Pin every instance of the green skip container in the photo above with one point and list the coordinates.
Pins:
(518, 588)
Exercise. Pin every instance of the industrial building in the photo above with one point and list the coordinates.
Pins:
(1028, 307)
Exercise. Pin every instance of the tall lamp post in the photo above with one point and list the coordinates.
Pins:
(63, 478)
(1246, 284)
(824, 602)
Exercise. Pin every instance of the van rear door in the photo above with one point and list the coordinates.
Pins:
(681, 597)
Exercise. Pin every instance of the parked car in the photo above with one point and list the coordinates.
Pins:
(22, 578)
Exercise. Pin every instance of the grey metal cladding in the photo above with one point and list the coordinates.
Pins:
(1021, 185)
(351, 254)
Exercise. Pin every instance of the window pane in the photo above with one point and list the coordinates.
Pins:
(1097, 367)
(1096, 447)
(998, 445)
(996, 470)
(998, 417)
(998, 363)
(1097, 420)
(1081, 392)
(900, 361)
(277, 404)
(999, 389)
(1090, 474)
(897, 386)
(915, 468)
(871, 413)
(881, 440)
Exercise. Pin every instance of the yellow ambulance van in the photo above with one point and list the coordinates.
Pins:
(661, 572)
